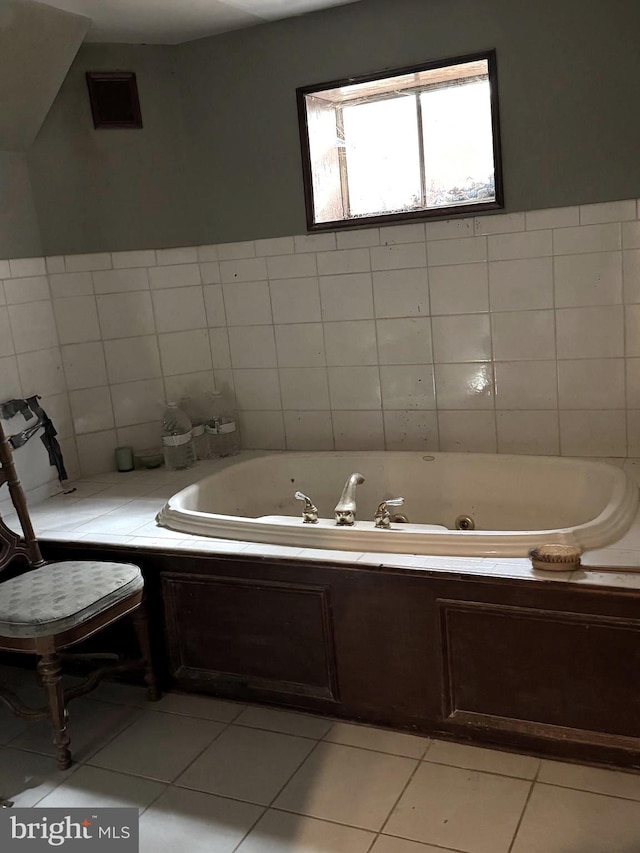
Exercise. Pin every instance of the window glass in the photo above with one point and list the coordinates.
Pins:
(381, 139)
(458, 145)
(410, 144)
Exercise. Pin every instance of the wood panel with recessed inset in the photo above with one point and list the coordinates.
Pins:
(263, 637)
(541, 672)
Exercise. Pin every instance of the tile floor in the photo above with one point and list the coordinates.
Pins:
(210, 776)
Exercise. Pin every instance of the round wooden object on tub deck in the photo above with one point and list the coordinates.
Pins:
(555, 558)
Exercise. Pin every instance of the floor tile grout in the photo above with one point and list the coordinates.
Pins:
(478, 770)
(276, 731)
(301, 763)
(522, 814)
(281, 789)
(422, 843)
(130, 714)
(588, 791)
(326, 820)
(183, 769)
(399, 797)
(264, 811)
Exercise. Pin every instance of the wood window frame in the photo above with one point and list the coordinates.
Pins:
(448, 212)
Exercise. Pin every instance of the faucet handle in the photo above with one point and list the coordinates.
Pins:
(383, 517)
(309, 511)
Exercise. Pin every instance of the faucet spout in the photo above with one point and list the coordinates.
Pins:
(345, 510)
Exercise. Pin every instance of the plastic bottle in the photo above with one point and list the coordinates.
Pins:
(194, 407)
(177, 442)
(222, 427)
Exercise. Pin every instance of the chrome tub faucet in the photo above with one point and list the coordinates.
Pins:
(309, 510)
(345, 510)
(382, 517)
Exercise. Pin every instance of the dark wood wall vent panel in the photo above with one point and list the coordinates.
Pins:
(265, 637)
(527, 670)
(114, 99)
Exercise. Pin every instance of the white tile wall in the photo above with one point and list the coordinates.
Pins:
(408, 386)
(257, 389)
(84, 365)
(296, 300)
(306, 388)
(77, 319)
(401, 293)
(558, 217)
(299, 345)
(247, 303)
(351, 342)
(185, 352)
(411, 430)
(178, 309)
(30, 289)
(512, 332)
(308, 430)
(459, 289)
(358, 430)
(405, 340)
(464, 386)
(128, 359)
(344, 297)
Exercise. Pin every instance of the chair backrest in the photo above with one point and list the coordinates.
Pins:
(13, 545)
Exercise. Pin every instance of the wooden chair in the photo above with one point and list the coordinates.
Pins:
(56, 605)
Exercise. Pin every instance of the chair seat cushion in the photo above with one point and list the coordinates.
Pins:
(60, 596)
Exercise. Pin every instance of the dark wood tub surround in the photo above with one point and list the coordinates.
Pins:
(541, 666)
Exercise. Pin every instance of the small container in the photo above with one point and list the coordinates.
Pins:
(200, 441)
(222, 426)
(224, 439)
(194, 407)
(124, 458)
(177, 443)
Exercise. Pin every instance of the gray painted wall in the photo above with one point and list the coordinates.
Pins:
(37, 46)
(19, 232)
(114, 189)
(568, 74)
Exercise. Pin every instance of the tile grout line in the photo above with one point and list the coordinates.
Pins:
(533, 782)
(224, 728)
(431, 353)
(378, 365)
(555, 340)
(590, 790)
(326, 366)
(77, 764)
(476, 770)
(552, 230)
(524, 808)
(168, 783)
(269, 806)
(277, 368)
(492, 354)
(400, 795)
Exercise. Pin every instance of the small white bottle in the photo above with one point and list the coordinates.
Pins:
(177, 442)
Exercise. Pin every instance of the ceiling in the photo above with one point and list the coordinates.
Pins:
(175, 21)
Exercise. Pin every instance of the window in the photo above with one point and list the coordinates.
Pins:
(407, 144)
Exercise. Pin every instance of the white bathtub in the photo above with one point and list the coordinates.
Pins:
(516, 502)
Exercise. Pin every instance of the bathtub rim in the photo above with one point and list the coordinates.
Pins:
(604, 529)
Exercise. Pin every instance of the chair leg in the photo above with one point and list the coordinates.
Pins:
(50, 672)
(141, 624)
